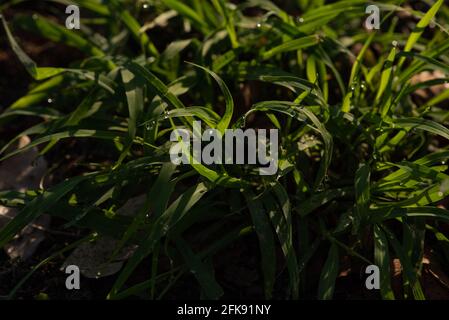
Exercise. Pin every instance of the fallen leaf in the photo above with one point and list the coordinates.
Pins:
(92, 258)
(21, 173)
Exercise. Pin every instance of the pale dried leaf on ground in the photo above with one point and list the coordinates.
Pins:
(23, 172)
(92, 258)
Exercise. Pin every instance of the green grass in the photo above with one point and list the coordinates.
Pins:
(363, 164)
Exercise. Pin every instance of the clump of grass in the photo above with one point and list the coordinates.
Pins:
(362, 162)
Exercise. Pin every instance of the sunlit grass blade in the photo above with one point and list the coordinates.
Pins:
(292, 45)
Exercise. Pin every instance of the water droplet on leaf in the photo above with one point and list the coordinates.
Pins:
(243, 122)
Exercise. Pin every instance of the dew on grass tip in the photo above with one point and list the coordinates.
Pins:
(150, 125)
(243, 122)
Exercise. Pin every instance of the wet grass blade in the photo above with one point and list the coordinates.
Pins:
(37, 207)
(202, 273)
(382, 260)
(422, 24)
(329, 274)
(36, 72)
(292, 45)
(227, 116)
(180, 207)
(264, 232)
(362, 194)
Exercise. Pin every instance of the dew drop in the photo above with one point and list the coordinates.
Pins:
(243, 122)
(394, 43)
(443, 162)
(440, 194)
(50, 100)
(150, 125)
(258, 25)
(301, 20)
(145, 6)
